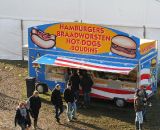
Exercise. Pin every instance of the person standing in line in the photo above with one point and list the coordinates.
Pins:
(75, 81)
(34, 106)
(56, 100)
(138, 107)
(70, 99)
(86, 83)
(22, 116)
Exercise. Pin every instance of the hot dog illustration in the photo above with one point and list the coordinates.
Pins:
(42, 39)
(123, 46)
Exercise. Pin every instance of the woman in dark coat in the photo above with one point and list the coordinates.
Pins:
(56, 100)
(22, 116)
(35, 105)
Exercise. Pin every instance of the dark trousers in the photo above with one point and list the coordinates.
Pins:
(24, 124)
(87, 98)
(76, 94)
(144, 112)
(58, 110)
(34, 114)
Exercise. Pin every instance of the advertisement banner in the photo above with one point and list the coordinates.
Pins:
(84, 39)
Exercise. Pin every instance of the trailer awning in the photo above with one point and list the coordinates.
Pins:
(88, 64)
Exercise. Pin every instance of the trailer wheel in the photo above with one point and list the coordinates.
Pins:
(41, 88)
(119, 102)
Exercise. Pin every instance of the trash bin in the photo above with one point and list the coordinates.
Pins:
(30, 85)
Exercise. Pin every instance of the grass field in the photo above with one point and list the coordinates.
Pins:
(103, 115)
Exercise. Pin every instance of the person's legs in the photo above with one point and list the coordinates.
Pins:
(76, 94)
(56, 112)
(22, 126)
(140, 120)
(69, 114)
(139, 117)
(144, 113)
(137, 121)
(74, 111)
(36, 118)
(85, 98)
(61, 110)
(88, 99)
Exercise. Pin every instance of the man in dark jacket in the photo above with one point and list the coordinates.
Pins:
(35, 105)
(75, 81)
(56, 100)
(70, 99)
(138, 106)
(86, 84)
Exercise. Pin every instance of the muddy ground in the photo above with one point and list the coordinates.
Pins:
(102, 116)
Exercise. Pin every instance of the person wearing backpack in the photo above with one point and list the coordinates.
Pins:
(22, 116)
(56, 100)
(34, 106)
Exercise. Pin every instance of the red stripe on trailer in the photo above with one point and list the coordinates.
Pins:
(115, 91)
(89, 65)
(130, 100)
(61, 64)
(148, 88)
(98, 96)
(145, 76)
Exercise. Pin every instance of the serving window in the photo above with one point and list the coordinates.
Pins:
(53, 73)
(132, 77)
(112, 80)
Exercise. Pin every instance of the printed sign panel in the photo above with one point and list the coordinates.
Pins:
(147, 47)
(86, 39)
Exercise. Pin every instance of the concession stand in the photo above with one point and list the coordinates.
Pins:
(118, 62)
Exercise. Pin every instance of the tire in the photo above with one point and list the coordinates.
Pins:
(40, 88)
(119, 102)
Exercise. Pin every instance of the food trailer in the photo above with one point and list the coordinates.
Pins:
(118, 62)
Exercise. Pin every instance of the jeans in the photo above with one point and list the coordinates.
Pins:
(71, 110)
(86, 98)
(139, 117)
(59, 111)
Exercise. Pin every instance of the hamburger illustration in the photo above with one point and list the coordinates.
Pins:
(153, 63)
(123, 46)
(42, 39)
